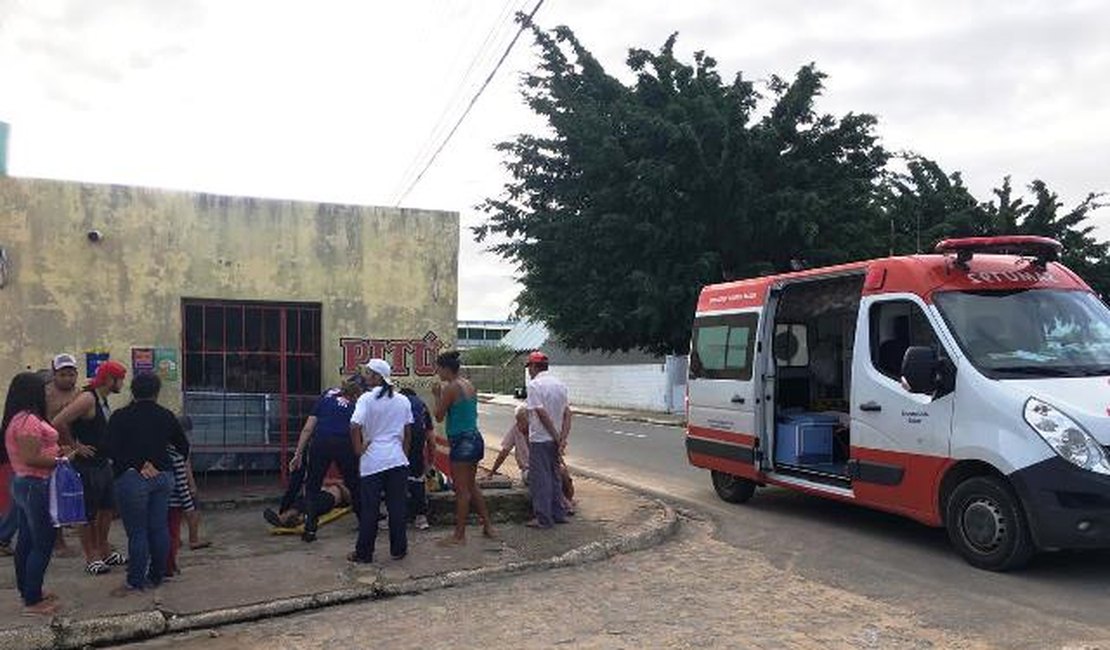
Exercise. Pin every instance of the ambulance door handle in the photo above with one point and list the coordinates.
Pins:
(873, 407)
(736, 399)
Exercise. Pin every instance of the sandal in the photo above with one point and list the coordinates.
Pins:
(97, 568)
(115, 559)
(124, 590)
(199, 545)
(41, 608)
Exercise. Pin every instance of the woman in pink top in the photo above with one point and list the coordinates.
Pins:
(31, 445)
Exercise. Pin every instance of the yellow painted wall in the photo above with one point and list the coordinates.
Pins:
(377, 272)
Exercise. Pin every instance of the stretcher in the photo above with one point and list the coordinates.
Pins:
(326, 518)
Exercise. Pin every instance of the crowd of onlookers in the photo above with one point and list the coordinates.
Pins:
(134, 464)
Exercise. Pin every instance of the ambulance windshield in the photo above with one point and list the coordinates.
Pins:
(1030, 333)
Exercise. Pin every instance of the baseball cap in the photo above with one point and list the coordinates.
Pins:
(107, 370)
(381, 367)
(64, 361)
(537, 357)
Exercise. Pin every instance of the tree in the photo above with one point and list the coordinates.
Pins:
(925, 205)
(640, 194)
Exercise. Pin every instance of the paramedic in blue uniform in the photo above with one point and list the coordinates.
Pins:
(326, 434)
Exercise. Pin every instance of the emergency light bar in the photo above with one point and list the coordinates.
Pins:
(1042, 249)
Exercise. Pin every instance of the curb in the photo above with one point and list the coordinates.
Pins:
(67, 633)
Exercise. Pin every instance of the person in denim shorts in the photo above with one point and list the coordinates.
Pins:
(457, 402)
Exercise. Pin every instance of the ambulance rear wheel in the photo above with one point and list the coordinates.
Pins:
(733, 489)
(987, 524)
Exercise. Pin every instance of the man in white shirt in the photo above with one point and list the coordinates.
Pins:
(548, 417)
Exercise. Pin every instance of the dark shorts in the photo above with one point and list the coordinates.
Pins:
(98, 483)
(467, 447)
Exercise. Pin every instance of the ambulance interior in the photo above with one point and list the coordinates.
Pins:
(813, 340)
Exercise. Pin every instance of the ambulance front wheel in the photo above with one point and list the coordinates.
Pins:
(732, 488)
(987, 525)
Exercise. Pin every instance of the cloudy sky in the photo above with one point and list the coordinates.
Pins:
(335, 100)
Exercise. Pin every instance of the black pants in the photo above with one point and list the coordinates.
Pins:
(418, 499)
(325, 451)
(321, 503)
(293, 490)
(392, 482)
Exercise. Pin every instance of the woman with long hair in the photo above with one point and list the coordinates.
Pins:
(31, 445)
(457, 402)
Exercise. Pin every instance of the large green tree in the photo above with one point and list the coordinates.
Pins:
(640, 194)
(924, 204)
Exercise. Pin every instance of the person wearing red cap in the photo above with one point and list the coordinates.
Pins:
(84, 425)
(547, 405)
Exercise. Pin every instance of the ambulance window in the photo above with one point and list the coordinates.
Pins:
(722, 347)
(895, 326)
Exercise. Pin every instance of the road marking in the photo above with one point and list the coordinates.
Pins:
(628, 434)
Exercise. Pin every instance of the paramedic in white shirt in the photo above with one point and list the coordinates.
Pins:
(381, 429)
(547, 413)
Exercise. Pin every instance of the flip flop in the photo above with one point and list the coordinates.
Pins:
(115, 559)
(200, 545)
(97, 568)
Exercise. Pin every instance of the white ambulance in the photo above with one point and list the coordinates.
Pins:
(969, 389)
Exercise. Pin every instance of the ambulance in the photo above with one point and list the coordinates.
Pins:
(967, 389)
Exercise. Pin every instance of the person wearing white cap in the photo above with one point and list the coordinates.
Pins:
(381, 430)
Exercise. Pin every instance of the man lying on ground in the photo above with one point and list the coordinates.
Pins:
(327, 499)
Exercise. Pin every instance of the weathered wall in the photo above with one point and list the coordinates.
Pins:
(377, 272)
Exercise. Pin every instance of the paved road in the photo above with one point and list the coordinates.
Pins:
(875, 555)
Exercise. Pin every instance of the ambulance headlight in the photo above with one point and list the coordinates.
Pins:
(1066, 437)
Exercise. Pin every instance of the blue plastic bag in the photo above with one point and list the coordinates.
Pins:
(67, 496)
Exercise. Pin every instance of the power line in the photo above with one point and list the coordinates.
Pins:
(485, 52)
(523, 25)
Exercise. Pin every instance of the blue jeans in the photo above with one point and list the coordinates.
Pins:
(36, 535)
(394, 482)
(144, 506)
(8, 525)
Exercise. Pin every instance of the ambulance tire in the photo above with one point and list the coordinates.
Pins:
(733, 489)
(987, 525)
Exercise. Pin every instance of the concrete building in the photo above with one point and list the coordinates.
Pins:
(247, 307)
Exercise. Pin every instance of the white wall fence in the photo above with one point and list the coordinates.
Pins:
(659, 387)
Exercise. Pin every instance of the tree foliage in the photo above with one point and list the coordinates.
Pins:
(639, 194)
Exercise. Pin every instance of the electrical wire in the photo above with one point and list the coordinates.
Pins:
(474, 100)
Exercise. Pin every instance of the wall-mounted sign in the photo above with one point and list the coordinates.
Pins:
(142, 360)
(93, 359)
(165, 363)
(407, 357)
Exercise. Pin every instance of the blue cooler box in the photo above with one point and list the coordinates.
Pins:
(805, 439)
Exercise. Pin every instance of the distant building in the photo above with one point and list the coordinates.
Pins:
(481, 333)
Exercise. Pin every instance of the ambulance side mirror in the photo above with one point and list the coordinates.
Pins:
(920, 369)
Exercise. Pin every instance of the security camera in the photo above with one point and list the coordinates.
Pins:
(94, 235)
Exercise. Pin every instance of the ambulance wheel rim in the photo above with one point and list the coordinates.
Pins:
(984, 525)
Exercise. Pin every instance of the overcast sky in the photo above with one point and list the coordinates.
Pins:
(333, 101)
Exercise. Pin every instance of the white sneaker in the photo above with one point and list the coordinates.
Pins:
(422, 522)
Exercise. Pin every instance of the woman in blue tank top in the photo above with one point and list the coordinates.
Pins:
(457, 402)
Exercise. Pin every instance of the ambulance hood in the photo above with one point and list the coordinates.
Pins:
(1084, 399)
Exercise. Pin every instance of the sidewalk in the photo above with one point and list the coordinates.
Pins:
(249, 573)
(629, 415)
